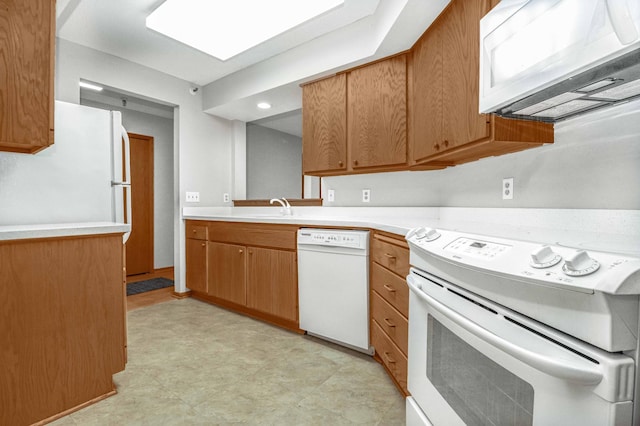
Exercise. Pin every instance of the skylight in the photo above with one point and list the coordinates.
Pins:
(225, 28)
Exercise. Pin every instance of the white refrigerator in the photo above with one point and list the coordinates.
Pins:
(83, 177)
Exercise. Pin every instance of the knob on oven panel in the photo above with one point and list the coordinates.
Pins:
(544, 257)
(580, 264)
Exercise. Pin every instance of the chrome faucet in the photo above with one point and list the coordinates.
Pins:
(286, 207)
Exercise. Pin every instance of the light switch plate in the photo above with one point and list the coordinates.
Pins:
(193, 197)
(226, 198)
(507, 189)
(331, 195)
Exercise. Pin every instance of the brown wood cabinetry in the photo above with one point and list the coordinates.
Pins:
(446, 127)
(356, 122)
(324, 125)
(27, 52)
(63, 325)
(196, 257)
(250, 268)
(377, 114)
(389, 304)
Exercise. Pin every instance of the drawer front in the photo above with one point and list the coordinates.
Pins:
(391, 356)
(391, 256)
(254, 234)
(196, 230)
(391, 287)
(391, 321)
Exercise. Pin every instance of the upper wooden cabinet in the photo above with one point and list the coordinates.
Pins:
(324, 125)
(377, 114)
(27, 52)
(444, 66)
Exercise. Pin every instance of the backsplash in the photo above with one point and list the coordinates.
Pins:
(593, 164)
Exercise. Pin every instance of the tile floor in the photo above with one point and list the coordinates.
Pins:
(194, 363)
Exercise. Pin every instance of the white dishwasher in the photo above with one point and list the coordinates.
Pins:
(333, 285)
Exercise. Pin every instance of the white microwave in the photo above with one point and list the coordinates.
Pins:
(549, 60)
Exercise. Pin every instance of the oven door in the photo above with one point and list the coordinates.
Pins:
(473, 362)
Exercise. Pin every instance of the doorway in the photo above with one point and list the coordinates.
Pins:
(139, 247)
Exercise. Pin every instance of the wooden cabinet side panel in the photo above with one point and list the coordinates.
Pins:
(62, 322)
(461, 40)
(377, 113)
(272, 283)
(427, 95)
(196, 265)
(324, 125)
(27, 31)
(227, 272)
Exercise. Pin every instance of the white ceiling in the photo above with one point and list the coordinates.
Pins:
(356, 32)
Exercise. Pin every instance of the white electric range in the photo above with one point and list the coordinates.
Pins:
(509, 331)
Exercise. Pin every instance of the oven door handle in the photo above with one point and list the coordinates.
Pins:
(569, 371)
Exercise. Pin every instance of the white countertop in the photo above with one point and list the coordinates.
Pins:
(23, 232)
(604, 230)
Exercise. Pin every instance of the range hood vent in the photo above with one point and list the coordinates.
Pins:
(614, 82)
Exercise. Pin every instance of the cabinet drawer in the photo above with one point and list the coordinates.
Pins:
(196, 231)
(391, 287)
(391, 321)
(254, 234)
(390, 256)
(391, 356)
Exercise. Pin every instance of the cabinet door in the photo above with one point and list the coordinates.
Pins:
(196, 265)
(272, 285)
(460, 41)
(27, 36)
(324, 121)
(427, 100)
(227, 272)
(377, 114)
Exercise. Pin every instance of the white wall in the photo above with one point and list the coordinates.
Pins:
(161, 129)
(593, 164)
(202, 143)
(274, 163)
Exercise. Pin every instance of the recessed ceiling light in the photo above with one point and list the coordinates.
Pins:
(90, 86)
(264, 105)
(225, 28)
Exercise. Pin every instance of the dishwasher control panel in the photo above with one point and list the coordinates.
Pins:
(333, 237)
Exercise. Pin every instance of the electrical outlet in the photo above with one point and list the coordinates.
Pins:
(193, 197)
(226, 198)
(331, 195)
(507, 189)
(366, 195)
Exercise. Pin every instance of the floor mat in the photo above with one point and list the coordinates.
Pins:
(148, 285)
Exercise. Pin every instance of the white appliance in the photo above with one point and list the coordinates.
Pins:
(77, 179)
(503, 331)
(552, 59)
(333, 285)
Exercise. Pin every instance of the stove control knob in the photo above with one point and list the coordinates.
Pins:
(423, 234)
(580, 264)
(544, 257)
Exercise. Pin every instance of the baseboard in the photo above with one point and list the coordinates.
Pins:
(182, 295)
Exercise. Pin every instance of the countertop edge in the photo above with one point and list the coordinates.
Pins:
(25, 232)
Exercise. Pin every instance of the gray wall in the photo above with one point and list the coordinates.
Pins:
(274, 166)
(593, 164)
(162, 131)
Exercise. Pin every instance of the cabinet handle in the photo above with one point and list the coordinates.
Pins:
(389, 359)
(340, 163)
(240, 251)
(194, 231)
(391, 257)
(250, 252)
(436, 147)
(204, 245)
(446, 144)
(389, 323)
(389, 288)
(355, 162)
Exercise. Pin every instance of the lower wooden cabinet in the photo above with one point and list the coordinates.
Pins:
(250, 268)
(389, 304)
(63, 325)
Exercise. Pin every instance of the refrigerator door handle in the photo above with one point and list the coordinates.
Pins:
(127, 181)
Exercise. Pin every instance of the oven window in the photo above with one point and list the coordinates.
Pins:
(480, 391)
